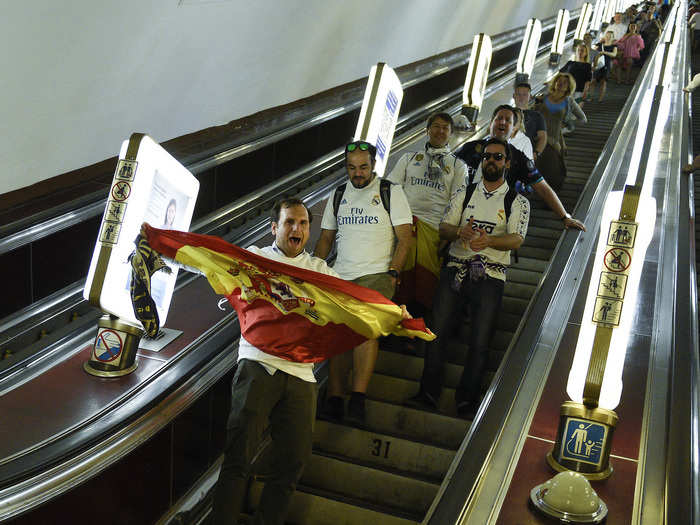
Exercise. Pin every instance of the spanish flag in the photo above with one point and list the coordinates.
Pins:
(421, 271)
(290, 312)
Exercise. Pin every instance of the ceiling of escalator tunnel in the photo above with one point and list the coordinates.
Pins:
(81, 76)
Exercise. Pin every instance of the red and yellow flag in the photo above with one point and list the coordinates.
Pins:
(421, 271)
(294, 313)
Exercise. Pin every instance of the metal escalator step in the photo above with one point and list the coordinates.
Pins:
(543, 232)
(518, 275)
(383, 450)
(521, 291)
(534, 253)
(539, 242)
(397, 390)
(310, 506)
(428, 427)
(514, 305)
(528, 264)
(377, 486)
(553, 223)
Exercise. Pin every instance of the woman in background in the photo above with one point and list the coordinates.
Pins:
(554, 108)
(630, 45)
(607, 51)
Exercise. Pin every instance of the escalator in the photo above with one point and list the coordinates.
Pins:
(391, 470)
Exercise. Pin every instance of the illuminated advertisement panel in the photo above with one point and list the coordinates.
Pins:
(477, 71)
(528, 49)
(380, 111)
(149, 185)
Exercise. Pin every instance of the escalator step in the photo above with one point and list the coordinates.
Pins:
(381, 449)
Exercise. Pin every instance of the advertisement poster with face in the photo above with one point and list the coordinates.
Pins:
(152, 187)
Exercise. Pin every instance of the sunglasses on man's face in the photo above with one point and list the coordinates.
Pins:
(361, 145)
(496, 156)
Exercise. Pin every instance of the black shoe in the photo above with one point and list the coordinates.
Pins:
(333, 409)
(356, 408)
(422, 401)
(467, 409)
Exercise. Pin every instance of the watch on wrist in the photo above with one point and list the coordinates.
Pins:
(394, 273)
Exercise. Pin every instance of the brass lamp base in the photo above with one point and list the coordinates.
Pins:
(584, 440)
(114, 351)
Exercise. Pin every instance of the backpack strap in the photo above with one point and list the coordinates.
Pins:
(508, 201)
(337, 197)
(468, 195)
(385, 194)
(507, 205)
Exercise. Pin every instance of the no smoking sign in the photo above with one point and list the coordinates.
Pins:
(108, 345)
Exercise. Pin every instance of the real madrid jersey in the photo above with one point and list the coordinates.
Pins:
(488, 210)
(427, 196)
(365, 230)
(272, 363)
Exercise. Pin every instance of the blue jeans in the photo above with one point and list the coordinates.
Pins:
(484, 301)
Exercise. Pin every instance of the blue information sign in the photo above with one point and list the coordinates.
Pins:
(583, 441)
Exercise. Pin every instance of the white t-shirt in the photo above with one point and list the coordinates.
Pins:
(618, 30)
(488, 210)
(272, 363)
(523, 143)
(428, 198)
(365, 237)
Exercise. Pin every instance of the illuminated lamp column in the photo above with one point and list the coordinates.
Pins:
(583, 20)
(380, 112)
(477, 75)
(588, 421)
(528, 51)
(559, 37)
(149, 185)
(609, 12)
(597, 18)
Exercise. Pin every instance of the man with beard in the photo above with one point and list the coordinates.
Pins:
(269, 388)
(484, 222)
(522, 173)
(428, 177)
(364, 225)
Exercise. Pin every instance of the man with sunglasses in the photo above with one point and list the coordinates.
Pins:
(428, 177)
(364, 230)
(482, 234)
(522, 173)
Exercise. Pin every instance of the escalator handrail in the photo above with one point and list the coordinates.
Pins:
(682, 471)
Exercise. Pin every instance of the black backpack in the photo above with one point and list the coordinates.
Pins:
(384, 193)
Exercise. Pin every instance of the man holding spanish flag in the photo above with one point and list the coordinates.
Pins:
(293, 312)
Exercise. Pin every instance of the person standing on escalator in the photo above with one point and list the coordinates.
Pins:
(484, 222)
(268, 388)
(370, 220)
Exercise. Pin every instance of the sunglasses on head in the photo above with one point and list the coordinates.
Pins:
(359, 144)
(496, 156)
